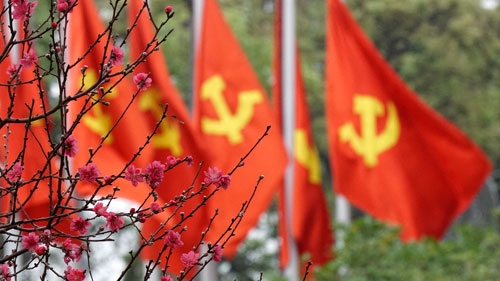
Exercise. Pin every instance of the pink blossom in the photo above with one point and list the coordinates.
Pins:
(217, 253)
(46, 237)
(142, 81)
(214, 175)
(63, 5)
(108, 179)
(72, 252)
(89, 172)
(114, 222)
(100, 209)
(30, 241)
(14, 172)
(74, 274)
(116, 56)
(190, 259)
(154, 173)
(168, 9)
(13, 69)
(80, 225)
(224, 181)
(173, 239)
(29, 58)
(134, 175)
(189, 160)
(156, 208)
(41, 250)
(5, 272)
(166, 278)
(172, 160)
(23, 9)
(70, 146)
(141, 217)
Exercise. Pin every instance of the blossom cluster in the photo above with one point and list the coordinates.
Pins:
(77, 220)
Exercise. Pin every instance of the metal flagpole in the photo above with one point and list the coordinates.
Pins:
(288, 84)
(209, 273)
(342, 215)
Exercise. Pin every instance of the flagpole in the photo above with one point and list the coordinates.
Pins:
(288, 83)
(209, 273)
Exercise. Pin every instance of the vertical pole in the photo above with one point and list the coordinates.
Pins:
(342, 215)
(209, 273)
(288, 83)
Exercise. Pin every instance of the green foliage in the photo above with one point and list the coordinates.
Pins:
(373, 251)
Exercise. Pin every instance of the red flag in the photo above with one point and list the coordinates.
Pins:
(231, 112)
(25, 143)
(312, 236)
(112, 128)
(393, 156)
(176, 136)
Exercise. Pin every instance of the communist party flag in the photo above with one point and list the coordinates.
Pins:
(231, 112)
(111, 128)
(26, 143)
(175, 137)
(310, 218)
(393, 156)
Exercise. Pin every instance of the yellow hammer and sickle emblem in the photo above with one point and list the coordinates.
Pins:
(101, 123)
(169, 137)
(368, 144)
(307, 155)
(228, 124)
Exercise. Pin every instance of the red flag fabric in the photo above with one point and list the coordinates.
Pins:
(26, 144)
(175, 138)
(231, 112)
(113, 129)
(393, 156)
(313, 237)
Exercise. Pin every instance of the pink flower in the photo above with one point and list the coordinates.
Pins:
(114, 222)
(108, 179)
(70, 146)
(89, 172)
(5, 272)
(80, 225)
(166, 278)
(29, 58)
(30, 241)
(72, 252)
(134, 175)
(214, 175)
(172, 160)
(168, 9)
(41, 249)
(154, 173)
(217, 253)
(156, 208)
(142, 81)
(14, 172)
(100, 209)
(63, 5)
(13, 69)
(224, 181)
(23, 9)
(189, 160)
(173, 239)
(74, 274)
(116, 56)
(190, 259)
(46, 237)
